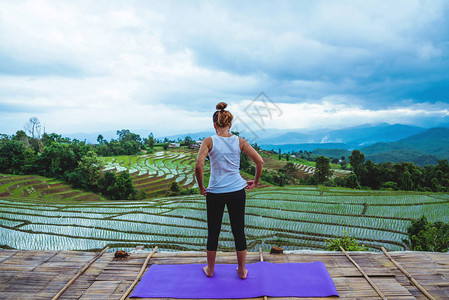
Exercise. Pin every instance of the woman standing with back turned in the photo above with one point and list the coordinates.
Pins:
(226, 186)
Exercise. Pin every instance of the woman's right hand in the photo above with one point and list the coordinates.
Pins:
(250, 184)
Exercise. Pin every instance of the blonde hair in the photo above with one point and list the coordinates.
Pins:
(222, 117)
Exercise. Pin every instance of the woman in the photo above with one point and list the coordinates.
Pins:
(226, 186)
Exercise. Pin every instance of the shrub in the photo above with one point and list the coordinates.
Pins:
(428, 236)
(174, 187)
(348, 243)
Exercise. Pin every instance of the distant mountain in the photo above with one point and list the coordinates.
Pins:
(347, 138)
(306, 146)
(353, 137)
(404, 155)
(423, 148)
(91, 137)
(287, 138)
(434, 141)
(195, 135)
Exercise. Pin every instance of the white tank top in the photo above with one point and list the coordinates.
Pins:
(224, 165)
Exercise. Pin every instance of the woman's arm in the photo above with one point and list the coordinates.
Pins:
(206, 146)
(256, 158)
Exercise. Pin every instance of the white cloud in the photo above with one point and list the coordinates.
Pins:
(327, 114)
(104, 65)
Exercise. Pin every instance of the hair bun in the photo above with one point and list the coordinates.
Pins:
(221, 105)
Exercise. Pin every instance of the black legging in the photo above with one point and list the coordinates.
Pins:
(235, 201)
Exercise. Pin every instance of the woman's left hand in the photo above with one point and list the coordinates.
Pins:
(250, 184)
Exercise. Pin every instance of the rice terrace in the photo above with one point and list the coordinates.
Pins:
(37, 213)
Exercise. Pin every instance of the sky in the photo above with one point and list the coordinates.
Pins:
(162, 66)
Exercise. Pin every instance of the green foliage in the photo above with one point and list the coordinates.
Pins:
(12, 158)
(390, 185)
(349, 181)
(124, 187)
(88, 173)
(348, 243)
(151, 141)
(68, 160)
(428, 236)
(356, 160)
(165, 146)
(274, 177)
(128, 143)
(400, 176)
(323, 171)
(174, 187)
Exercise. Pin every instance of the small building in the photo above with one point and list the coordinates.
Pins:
(196, 144)
(174, 145)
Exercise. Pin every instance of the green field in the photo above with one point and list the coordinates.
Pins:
(290, 217)
(153, 173)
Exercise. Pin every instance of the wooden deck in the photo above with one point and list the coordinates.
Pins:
(42, 274)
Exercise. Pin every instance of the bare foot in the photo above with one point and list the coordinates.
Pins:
(243, 274)
(206, 271)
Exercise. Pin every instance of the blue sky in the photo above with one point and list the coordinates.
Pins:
(92, 66)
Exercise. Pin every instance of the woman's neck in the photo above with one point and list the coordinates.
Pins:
(223, 131)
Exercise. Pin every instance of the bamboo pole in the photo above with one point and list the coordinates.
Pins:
(80, 272)
(139, 275)
(407, 274)
(261, 259)
(363, 273)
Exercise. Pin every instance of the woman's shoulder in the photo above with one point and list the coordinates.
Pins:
(207, 140)
(242, 143)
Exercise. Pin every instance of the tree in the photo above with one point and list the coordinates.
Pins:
(356, 160)
(107, 184)
(427, 236)
(126, 135)
(406, 181)
(33, 126)
(151, 141)
(352, 182)
(124, 187)
(323, 170)
(12, 157)
(100, 139)
(90, 167)
(188, 140)
(57, 160)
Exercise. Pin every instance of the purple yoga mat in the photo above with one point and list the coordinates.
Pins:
(264, 279)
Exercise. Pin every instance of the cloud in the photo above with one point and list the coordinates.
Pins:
(259, 115)
(81, 66)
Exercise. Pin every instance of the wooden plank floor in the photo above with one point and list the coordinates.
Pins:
(26, 274)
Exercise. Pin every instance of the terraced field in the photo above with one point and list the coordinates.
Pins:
(153, 173)
(292, 217)
(38, 187)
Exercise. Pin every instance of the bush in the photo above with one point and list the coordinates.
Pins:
(428, 236)
(348, 243)
(390, 185)
(174, 187)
